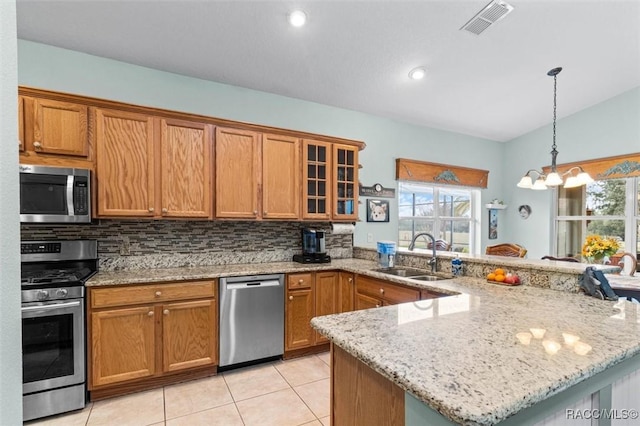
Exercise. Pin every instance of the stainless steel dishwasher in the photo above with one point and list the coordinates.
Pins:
(251, 318)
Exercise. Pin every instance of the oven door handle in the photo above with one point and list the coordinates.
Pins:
(50, 307)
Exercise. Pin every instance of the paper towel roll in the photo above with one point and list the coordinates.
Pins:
(342, 228)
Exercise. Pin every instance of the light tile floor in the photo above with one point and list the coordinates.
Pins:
(282, 393)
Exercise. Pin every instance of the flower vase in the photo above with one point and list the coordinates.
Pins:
(599, 260)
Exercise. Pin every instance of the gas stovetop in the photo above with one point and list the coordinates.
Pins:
(58, 276)
(55, 269)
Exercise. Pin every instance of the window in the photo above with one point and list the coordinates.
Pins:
(609, 208)
(447, 213)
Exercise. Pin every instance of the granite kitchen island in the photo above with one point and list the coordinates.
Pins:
(472, 358)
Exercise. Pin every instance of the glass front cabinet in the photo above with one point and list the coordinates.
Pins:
(330, 181)
(345, 166)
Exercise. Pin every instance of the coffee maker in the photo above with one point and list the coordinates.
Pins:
(313, 247)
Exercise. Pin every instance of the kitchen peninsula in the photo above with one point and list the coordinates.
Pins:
(489, 355)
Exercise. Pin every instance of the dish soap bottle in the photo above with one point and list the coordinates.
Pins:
(456, 266)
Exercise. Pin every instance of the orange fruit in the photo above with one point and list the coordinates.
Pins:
(499, 271)
(500, 278)
(491, 276)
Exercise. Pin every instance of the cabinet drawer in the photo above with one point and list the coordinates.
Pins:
(147, 293)
(295, 281)
(390, 292)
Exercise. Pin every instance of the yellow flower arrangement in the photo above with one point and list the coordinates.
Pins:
(596, 247)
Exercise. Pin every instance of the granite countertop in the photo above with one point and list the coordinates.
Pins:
(461, 355)
(141, 276)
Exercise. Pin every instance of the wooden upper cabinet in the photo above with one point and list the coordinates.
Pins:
(237, 164)
(280, 177)
(316, 179)
(21, 123)
(59, 128)
(185, 169)
(345, 194)
(124, 163)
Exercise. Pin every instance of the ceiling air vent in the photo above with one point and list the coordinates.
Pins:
(489, 15)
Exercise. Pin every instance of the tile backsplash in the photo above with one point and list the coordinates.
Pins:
(139, 244)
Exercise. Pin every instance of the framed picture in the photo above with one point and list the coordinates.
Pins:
(493, 224)
(377, 210)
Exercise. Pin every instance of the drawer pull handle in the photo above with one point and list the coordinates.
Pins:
(150, 313)
(158, 293)
(300, 281)
(166, 312)
(290, 297)
(382, 291)
(377, 305)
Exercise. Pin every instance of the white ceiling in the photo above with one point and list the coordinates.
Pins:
(357, 54)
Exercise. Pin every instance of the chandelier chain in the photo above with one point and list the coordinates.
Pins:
(555, 88)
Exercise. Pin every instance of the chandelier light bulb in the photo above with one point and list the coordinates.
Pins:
(525, 182)
(297, 18)
(553, 179)
(539, 185)
(572, 182)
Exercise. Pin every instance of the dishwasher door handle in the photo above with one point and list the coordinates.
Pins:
(253, 284)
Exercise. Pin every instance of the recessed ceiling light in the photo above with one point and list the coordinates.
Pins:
(297, 18)
(417, 73)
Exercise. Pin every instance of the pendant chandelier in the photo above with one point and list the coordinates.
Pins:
(543, 181)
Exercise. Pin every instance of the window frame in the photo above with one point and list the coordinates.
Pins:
(473, 220)
(631, 217)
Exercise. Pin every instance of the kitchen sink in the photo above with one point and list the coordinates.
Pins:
(428, 277)
(402, 271)
(413, 273)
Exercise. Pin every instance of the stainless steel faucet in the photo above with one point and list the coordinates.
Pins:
(434, 259)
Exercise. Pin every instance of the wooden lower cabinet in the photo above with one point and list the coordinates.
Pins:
(367, 302)
(189, 331)
(157, 334)
(346, 292)
(361, 396)
(373, 293)
(122, 345)
(308, 295)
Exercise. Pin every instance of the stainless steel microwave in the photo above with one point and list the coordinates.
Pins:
(54, 194)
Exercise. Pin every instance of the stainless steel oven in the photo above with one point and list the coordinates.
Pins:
(53, 325)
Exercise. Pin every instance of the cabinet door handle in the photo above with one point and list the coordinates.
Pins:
(255, 212)
(382, 291)
(290, 297)
(165, 210)
(166, 312)
(264, 213)
(151, 209)
(150, 313)
(377, 305)
(158, 293)
(37, 145)
(350, 280)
